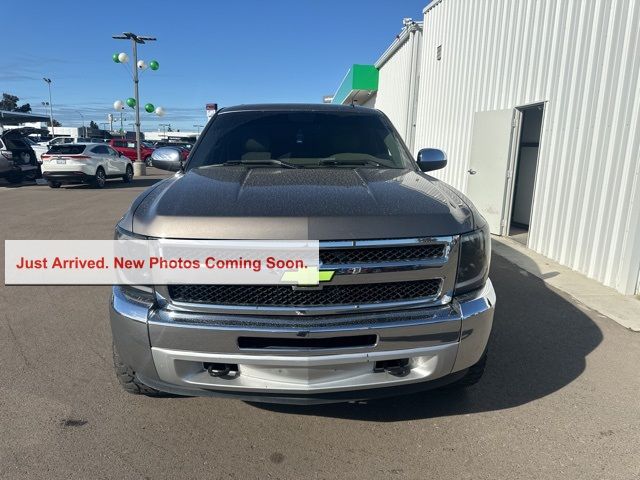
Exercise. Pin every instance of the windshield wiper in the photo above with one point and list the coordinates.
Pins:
(333, 161)
(266, 161)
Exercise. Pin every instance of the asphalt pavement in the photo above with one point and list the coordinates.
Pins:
(560, 398)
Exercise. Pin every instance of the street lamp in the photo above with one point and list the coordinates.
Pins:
(48, 81)
(198, 127)
(164, 129)
(84, 129)
(139, 165)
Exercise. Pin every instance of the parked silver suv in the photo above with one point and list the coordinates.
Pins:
(409, 306)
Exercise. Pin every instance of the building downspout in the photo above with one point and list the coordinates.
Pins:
(414, 73)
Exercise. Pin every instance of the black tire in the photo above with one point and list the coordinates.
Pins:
(15, 177)
(54, 184)
(128, 381)
(473, 375)
(100, 179)
(126, 178)
(148, 161)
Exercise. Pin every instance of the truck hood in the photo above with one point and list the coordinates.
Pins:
(235, 202)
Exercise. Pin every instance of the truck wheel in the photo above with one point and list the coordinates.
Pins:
(100, 179)
(473, 376)
(54, 184)
(128, 381)
(126, 178)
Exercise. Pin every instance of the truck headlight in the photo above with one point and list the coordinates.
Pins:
(474, 260)
(144, 290)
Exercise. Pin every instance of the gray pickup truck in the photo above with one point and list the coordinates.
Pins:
(409, 307)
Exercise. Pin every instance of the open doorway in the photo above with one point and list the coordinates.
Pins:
(525, 177)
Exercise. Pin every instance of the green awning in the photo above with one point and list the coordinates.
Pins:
(357, 85)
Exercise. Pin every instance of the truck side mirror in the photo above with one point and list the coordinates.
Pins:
(430, 159)
(167, 158)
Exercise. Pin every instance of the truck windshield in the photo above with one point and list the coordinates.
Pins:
(305, 139)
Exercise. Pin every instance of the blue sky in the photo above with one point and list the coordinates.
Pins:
(209, 51)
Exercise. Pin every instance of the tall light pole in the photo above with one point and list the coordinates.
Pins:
(139, 166)
(198, 127)
(48, 81)
(84, 129)
(164, 129)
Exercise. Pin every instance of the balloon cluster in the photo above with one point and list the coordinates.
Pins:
(131, 102)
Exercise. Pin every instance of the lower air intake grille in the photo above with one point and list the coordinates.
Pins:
(287, 296)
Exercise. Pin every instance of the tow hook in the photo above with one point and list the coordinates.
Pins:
(397, 368)
(222, 370)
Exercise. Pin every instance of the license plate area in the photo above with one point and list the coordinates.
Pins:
(270, 343)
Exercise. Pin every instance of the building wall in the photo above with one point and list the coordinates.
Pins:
(398, 77)
(155, 136)
(581, 58)
(371, 101)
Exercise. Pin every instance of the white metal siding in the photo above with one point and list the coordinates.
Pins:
(581, 58)
(398, 76)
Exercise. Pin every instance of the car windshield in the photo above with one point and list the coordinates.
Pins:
(309, 139)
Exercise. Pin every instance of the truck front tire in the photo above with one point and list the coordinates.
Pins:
(128, 381)
(473, 375)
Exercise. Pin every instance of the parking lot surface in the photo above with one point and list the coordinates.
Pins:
(560, 399)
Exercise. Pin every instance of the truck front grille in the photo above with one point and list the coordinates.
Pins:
(288, 296)
(341, 256)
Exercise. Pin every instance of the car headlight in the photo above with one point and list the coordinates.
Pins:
(474, 260)
(146, 291)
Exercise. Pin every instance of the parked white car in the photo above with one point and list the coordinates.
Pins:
(38, 149)
(91, 163)
(62, 140)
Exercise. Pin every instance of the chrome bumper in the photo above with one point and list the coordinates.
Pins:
(168, 348)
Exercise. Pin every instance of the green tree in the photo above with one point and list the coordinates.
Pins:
(10, 103)
(56, 123)
(93, 124)
(26, 108)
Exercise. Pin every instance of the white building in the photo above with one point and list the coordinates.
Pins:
(537, 105)
(175, 136)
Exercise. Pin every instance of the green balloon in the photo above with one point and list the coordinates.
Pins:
(131, 102)
(149, 107)
(115, 58)
(154, 65)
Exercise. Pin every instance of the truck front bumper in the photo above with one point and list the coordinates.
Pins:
(171, 349)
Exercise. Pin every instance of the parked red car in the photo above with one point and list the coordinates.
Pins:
(128, 149)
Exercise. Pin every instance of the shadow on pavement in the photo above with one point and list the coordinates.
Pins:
(539, 344)
(143, 182)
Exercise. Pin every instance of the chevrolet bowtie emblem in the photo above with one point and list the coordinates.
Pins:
(307, 276)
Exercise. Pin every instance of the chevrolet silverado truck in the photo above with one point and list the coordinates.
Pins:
(409, 306)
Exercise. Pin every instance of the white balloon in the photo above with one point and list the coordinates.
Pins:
(142, 65)
(160, 111)
(123, 57)
(118, 105)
